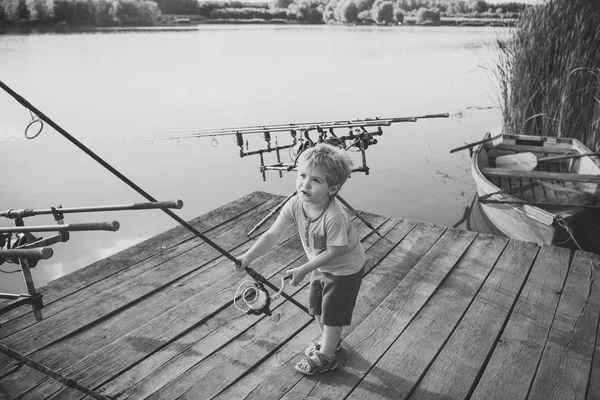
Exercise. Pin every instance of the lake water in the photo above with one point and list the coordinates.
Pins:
(109, 88)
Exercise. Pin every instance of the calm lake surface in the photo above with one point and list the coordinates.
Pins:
(109, 88)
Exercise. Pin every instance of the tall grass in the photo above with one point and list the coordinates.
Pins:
(549, 72)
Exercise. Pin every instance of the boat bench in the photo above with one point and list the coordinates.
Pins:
(554, 176)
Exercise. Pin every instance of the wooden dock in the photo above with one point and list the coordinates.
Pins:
(442, 314)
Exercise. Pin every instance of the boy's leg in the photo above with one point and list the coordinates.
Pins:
(319, 324)
(331, 340)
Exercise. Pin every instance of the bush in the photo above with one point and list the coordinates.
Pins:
(204, 8)
(347, 12)
(549, 72)
(398, 15)
(178, 6)
(247, 13)
(275, 4)
(307, 11)
(383, 12)
(425, 15)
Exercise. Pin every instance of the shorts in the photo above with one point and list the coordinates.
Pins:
(333, 297)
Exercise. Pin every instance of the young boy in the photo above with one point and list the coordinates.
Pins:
(336, 257)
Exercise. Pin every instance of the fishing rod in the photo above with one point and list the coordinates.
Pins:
(112, 226)
(255, 275)
(303, 126)
(28, 212)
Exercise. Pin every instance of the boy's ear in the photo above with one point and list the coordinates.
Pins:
(334, 189)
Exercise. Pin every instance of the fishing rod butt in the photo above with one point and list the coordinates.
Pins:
(111, 226)
(442, 115)
(178, 204)
(42, 253)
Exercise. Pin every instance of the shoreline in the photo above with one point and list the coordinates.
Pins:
(176, 22)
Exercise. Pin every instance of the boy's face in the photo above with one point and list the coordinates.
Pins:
(312, 185)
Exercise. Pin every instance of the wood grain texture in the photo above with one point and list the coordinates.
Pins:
(442, 314)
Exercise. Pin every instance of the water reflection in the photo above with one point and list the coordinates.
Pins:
(474, 219)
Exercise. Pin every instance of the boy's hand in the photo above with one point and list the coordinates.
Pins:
(244, 263)
(297, 276)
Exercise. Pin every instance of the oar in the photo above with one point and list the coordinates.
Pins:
(471, 145)
(528, 161)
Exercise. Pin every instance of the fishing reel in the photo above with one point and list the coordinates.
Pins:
(256, 297)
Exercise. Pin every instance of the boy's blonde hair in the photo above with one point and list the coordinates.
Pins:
(333, 161)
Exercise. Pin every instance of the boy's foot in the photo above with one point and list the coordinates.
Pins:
(315, 345)
(316, 364)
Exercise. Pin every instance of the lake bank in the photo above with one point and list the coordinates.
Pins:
(184, 21)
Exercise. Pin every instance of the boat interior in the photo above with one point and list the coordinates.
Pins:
(555, 177)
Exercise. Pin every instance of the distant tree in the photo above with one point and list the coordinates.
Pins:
(23, 10)
(364, 5)
(398, 15)
(347, 11)
(280, 3)
(383, 12)
(178, 6)
(307, 11)
(427, 15)
(479, 6)
(364, 17)
(11, 9)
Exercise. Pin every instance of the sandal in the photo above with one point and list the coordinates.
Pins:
(315, 345)
(316, 364)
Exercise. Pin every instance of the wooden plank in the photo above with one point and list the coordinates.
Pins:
(376, 333)
(91, 305)
(110, 286)
(78, 298)
(153, 373)
(257, 336)
(164, 276)
(594, 383)
(377, 285)
(80, 279)
(401, 367)
(558, 176)
(124, 265)
(566, 362)
(123, 353)
(458, 365)
(509, 373)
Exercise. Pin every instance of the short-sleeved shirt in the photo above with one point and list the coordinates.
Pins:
(332, 228)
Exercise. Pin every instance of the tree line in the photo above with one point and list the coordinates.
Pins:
(152, 12)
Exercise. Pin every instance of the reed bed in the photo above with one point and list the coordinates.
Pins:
(549, 72)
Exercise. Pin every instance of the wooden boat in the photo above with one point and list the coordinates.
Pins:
(553, 199)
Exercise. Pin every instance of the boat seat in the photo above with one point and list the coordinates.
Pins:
(543, 175)
(532, 149)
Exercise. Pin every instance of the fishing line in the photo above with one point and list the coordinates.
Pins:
(255, 275)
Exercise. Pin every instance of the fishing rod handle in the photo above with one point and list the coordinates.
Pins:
(40, 253)
(178, 204)
(87, 226)
(111, 226)
(442, 115)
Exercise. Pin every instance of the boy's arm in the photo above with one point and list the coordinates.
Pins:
(327, 255)
(264, 243)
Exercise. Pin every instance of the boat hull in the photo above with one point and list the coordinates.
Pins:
(519, 221)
